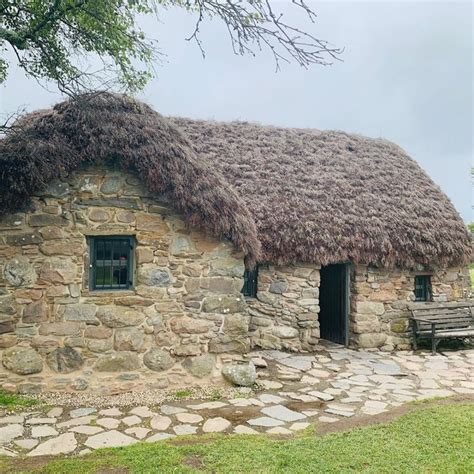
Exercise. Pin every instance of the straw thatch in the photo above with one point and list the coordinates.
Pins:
(108, 128)
(304, 195)
(326, 196)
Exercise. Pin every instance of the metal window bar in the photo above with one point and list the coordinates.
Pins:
(111, 263)
(250, 283)
(422, 288)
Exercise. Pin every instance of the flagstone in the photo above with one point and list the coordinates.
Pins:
(43, 431)
(131, 420)
(351, 381)
(310, 380)
(269, 398)
(289, 377)
(11, 419)
(282, 413)
(403, 398)
(62, 444)
(159, 437)
(303, 363)
(351, 400)
(142, 412)
(86, 429)
(216, 425)
(207, 406)
(27, 443)
(110, 412)
(265, 421)
(319, 373)
(344, 413)
(256, 402)
(184, 429)
(428, 383)
(171, 410)
(241, 429)
(273, 354)
(270, 384)
(55, 412)
(374, 405)
(7, 452)
(83, 420)
(138, 431)
(463, 390)
(109, 439)
(191, 418)
(322, 395)
(303, 397)
(300, 425)
(41, 421)
(436, 393)
(338, 406)
(78, 412)
(240, 402)
(334, 391)
(10, 432)
(160, 423)
(109, 423)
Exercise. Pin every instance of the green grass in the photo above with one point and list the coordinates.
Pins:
(471, 273)
(436, 439)
(216, 395)
(8, 400)
(183, 393)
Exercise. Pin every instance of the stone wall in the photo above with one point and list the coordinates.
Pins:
(284, 315)
(185, 309)
(184, 318)
(381, 300)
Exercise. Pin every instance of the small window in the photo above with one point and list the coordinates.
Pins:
(111, 263)
(422, 288)
(250, 283)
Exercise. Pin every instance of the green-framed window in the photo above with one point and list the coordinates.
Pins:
(111, 263)
(422, 288)
(250, 283)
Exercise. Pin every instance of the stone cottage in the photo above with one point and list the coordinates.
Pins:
(142, 251)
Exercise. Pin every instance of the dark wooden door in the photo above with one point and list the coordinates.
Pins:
(333, 301)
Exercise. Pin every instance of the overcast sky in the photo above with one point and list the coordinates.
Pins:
(407, 75)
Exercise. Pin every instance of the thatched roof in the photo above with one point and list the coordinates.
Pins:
(101, 128)
(328, 196)
(304, 195)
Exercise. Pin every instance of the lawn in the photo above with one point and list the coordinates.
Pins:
(10, 401)
(427, 440)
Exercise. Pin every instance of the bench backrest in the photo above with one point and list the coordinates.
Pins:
(454, 317)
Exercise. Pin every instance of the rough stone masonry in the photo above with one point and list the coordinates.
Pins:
(183, 319)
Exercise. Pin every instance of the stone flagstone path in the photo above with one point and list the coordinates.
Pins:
(297, 391)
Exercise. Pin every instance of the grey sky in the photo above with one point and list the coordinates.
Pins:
(407, 76)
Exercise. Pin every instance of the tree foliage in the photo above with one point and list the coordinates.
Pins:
(55, 39)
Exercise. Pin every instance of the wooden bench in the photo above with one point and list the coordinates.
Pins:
(441, 321)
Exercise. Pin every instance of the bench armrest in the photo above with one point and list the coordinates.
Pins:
(433, 324)
(416, 318)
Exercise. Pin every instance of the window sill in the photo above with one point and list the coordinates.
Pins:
(129, 292)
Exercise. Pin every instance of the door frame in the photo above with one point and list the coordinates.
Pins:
(345, 300)
(347, 303)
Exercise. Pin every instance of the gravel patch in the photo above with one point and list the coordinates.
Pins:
(133, 399)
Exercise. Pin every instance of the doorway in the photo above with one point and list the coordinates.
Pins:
(334, 303)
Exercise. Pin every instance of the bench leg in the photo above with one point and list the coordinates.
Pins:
(434, 345)
(415, 342)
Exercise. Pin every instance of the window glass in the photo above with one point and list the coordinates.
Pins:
(111, 263)
(422, 288)
(250, 283)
